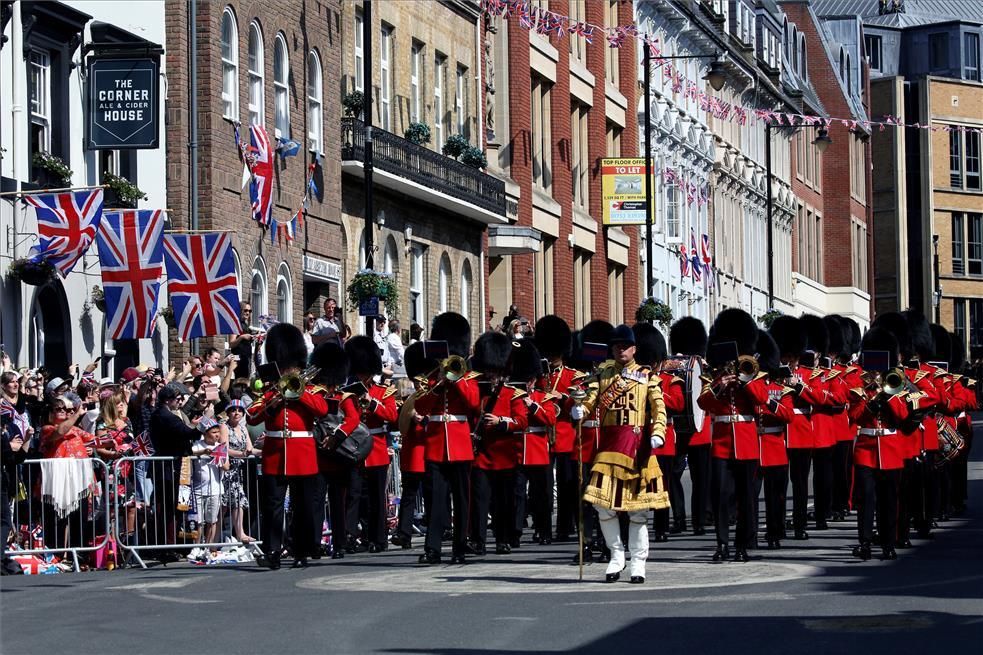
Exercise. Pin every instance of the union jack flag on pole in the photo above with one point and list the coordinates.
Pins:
(696, 267)
(67, 224)
(202, 284)
(261, 185)
(131, 254)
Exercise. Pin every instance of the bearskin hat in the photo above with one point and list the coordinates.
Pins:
(880, 338)
(921, 334)
(897, 325)
(455, 330)
(527, 364)
(285, 346)
(552, 335)
(688, 336)
(851, 336)
(789, 335)
(943, 344)
(957, 353)
(596, 331)
(650, 345)
(492, 351)
(736, 325)
(416, 362)
(332, 360)
(769, 359)
(364, 357)
(817, 336)
(837, 335)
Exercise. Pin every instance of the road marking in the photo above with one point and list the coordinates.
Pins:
(158, 584)
(184, 601)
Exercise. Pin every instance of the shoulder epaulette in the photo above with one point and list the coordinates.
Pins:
(816, 372)
(391, 390)
(317, 388)
(920, 375)
(786, 390)
(859, 391)
(940, 372)
(970, 382)
(517, 393)
(832, 373)
(851, 369)
(706, 379)
(346, 394)
(761, 374)
(470, 375)
(579, 375)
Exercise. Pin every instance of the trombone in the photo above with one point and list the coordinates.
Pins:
(292, 384)
(451, 369)
(889, 383)
(745, 368)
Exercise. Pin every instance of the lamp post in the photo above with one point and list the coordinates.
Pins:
(822, 142)
(716, 77)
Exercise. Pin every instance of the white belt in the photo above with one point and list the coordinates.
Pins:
(733, 418)
(279, 434)
(774, 430)
(448, 418)
(377, 431)
(590, 424)
(802, 412)
(877, 432)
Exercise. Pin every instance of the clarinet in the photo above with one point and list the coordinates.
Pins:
(490, 401)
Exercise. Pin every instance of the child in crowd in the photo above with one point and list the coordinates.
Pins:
(208, 476)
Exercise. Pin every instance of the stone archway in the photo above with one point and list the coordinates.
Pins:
(50, 334)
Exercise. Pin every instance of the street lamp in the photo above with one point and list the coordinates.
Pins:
(716, 78)
(822, 142)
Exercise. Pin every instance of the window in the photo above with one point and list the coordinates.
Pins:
(938, 51)
(955, 160)
(973, 161)
(975, 323)
(439, 80)
(284, 298)
(581, 287)
(874, 47)
(460, 100)
(444, 284)
(230, 65)
(416, 285)
(544, 278)
(466, 285)
(391, 259)
(416, 65)
(542, 150)
(257, 289)
(974, 244)
(803, 62)
(611, 63)
(40, 92)
(315, 123)
(359, 55)
(959, 319)
(578, 14)
(580, 163)
(674, 218)
(859, 255)
(257, 94)
(958, 241)
(613, 140)
(971, 57)
(386, 81)
(616, 294)
(281, 93)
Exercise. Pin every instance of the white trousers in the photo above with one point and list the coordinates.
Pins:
(638, 540)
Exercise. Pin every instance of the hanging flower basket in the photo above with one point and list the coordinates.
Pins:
(371, 284)
(51, 171)
(654, 311)
(418, 133)
(167, 314)
(120, 192)
(34, 271)
(98, 297)
(768, 318)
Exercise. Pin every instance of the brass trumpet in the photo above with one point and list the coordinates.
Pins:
(453, 368)
(889, 383)
(745, 368)
(292, 384)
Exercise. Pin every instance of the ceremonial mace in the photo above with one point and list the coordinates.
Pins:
(577, 395)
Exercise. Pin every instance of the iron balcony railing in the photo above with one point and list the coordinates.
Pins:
(426, 167)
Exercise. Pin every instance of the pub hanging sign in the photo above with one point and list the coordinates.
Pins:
(124, 104)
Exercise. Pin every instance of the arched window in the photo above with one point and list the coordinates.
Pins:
(444, 283)
(849, 76)
(281, 92)
(361, 250)
(284, 296)
(257, 93)
(794, 46)
(230, 65)
(315, 126)
(257, 288)
(842, 65)
(803, 67)
(466, 290)
(391, 261)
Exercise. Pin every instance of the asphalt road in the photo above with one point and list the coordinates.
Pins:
(810, 597)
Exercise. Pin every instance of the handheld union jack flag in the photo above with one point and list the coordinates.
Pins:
(131, 254)
(202, 283)
(261, 185)
(142, 446)
(8, 412)
(67, 224)
(707, 259)
(220, 453)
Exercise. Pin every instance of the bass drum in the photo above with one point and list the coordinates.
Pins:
(689, 369)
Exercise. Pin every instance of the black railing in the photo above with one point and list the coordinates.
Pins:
(418, 164)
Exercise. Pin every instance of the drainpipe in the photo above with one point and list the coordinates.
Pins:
(18, 125)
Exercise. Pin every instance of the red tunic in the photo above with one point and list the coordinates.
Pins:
(880, 445)
(931, 432)
(292, 455)
(534, 446)
(853, 376)
(449, 410)
(702, 438)
(828, 395)
(559, 382)
(831, 420)
(590, 439)
(735, 433)
(411, 451)
(773, 420)
(915, 437)
(674, 396)
(377, 419)
(800, 430)
(498, 444)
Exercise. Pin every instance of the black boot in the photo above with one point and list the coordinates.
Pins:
(429, 557)
(889, 553)
(741, 555)
(678, 526)
(588, 556)
(605, 555)
(722, 554)
(862, 551)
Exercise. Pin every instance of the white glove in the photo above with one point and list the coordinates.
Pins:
(657, 441)
(577, 412)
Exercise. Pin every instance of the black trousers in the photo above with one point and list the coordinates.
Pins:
(375, 482)
(407, 502)
(674, 477)
(822, 482)
(492, 492)
(732, 476)
(566, 493)
(353, 501)
(6, 527)
(589, 512)
(775, 479)
(925, 491)
(698, 458)
(540, 500)
(905, 494)
(877, 491)
(799, 460)
(452, 478)
(842, 475)
(303, 503)
(335, 485)
(959, 474)
(661, 516)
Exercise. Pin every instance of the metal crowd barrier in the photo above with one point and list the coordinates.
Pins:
(38, 524)
(164, 513)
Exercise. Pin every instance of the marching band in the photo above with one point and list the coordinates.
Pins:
(610, 418)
